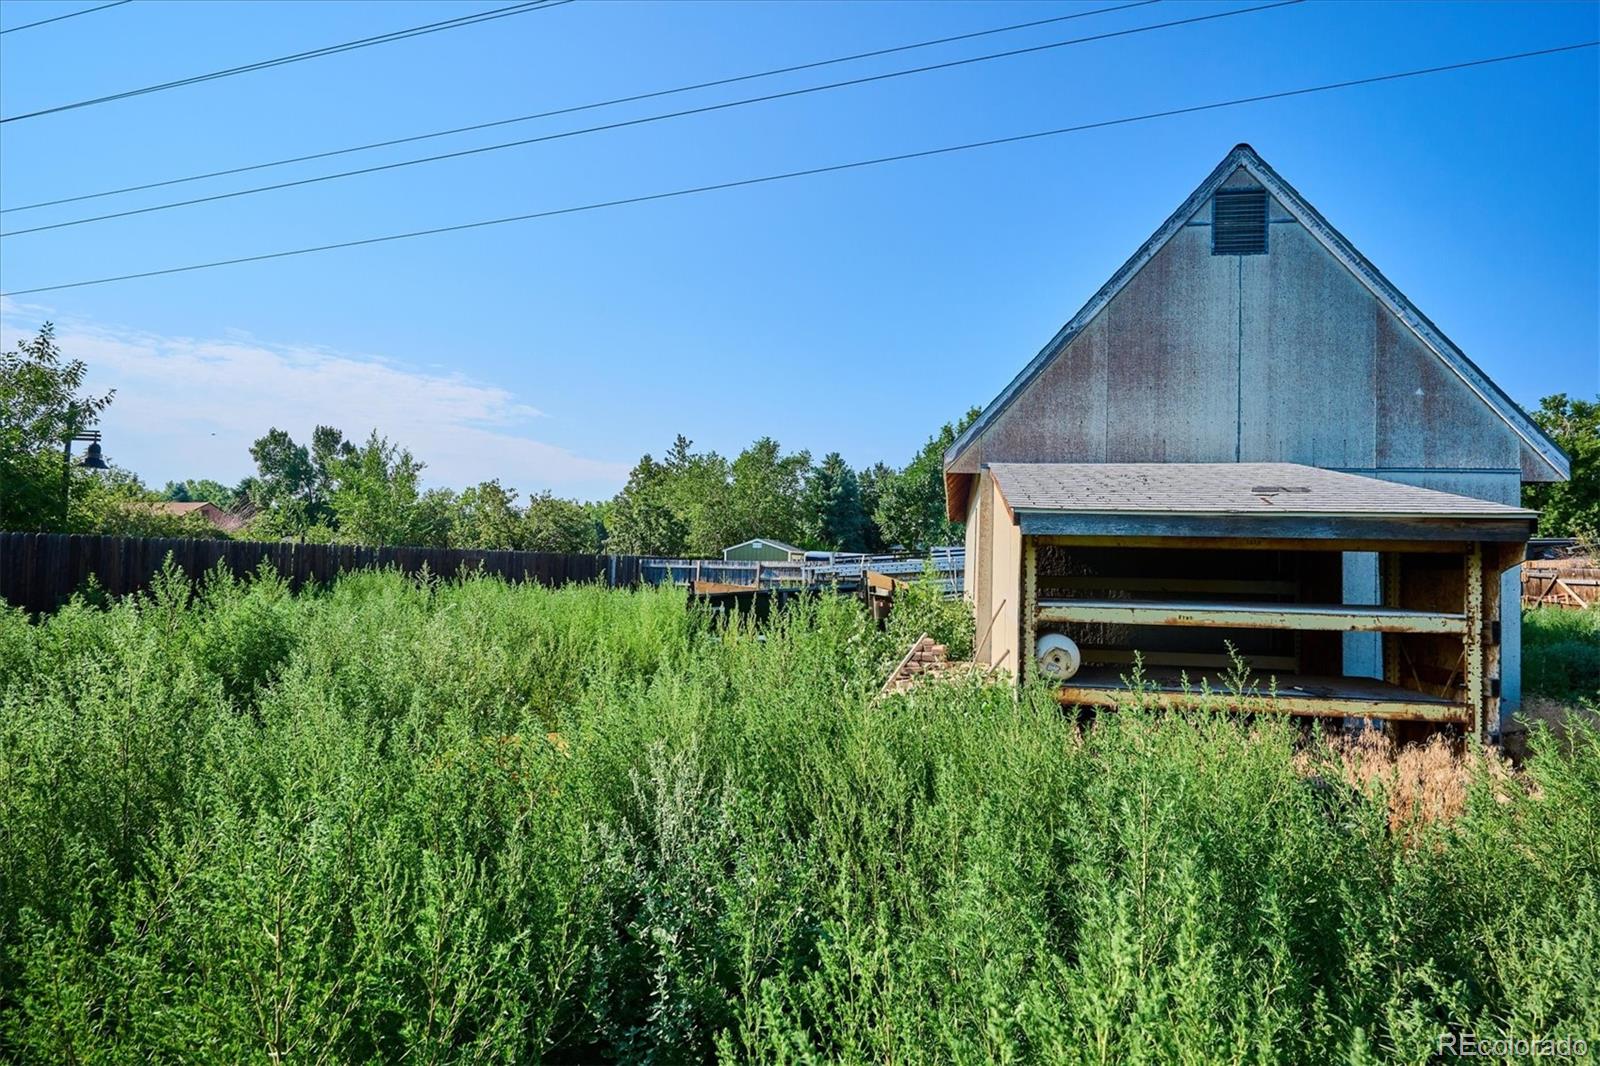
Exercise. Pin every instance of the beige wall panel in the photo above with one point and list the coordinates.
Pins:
(1005, 597)
(983, 601)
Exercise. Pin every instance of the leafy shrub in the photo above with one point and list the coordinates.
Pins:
(468, 821)
(920, 607)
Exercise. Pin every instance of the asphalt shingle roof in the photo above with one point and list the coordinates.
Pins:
(1226, 488)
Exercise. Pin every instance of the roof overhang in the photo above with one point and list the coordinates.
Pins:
(957, 490)
(1364, 527)
(1277, 501)
(1246, 157)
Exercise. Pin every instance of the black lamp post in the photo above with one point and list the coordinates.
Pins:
(92, 459)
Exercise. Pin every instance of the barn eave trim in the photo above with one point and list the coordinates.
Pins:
(1248, 527)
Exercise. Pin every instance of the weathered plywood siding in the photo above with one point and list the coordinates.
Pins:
(1307, 357)
(1427, 417)
(1146, 380)
(1283, 357)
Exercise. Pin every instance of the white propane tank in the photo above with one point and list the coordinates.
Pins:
(1059, 657)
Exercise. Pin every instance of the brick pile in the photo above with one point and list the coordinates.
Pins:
(926, 659)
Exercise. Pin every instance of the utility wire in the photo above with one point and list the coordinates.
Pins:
(647, 119)
(315, 53)
(58, 18)
(813, 171)
(576, 108)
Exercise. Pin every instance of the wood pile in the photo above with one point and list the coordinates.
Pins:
(1573, 582)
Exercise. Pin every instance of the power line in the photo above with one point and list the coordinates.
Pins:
(58, 18)
(647, 119)
(580, 107)
(315, 53)
(814, 171)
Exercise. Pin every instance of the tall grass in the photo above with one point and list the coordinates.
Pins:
(475, 822)
(1561, 654)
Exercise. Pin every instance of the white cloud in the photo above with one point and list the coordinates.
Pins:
(188, 407)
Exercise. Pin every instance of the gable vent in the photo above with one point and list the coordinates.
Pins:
(1239, 222)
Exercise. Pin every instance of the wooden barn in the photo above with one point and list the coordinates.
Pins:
(1250, 439)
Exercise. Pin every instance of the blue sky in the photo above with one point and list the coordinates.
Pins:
(853, 311)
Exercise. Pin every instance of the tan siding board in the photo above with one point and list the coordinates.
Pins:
(1006, 584)
(985, 561)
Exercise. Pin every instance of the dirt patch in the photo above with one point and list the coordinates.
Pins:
(1541, 711)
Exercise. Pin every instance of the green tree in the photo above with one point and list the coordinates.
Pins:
(832, 513)
(202, 490)
(1570, 508)
(328, 448)
(486, 516)
(642, 520)
(41, 404)
(910, 509)
(377, 498)
(695, 486)
(871, 480)
(294, 483)
(283, 468)
(766, 493)
(552, 524)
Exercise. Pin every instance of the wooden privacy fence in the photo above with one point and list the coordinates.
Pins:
(1561, 582)
(39, 571)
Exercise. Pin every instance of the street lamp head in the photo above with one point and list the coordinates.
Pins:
(93, 459)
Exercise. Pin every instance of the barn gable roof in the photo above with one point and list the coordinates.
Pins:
(764, 542)
(1246, 157)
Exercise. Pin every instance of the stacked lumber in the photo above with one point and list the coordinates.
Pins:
(1573, 582)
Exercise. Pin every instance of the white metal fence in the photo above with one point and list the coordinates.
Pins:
(845, 570)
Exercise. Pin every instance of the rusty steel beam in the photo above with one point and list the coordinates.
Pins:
(1217, 660)
(1030, 611)
(1399, 709)
(1339, 544)
(1472, 641)
(1343, 618)
(1241, 586)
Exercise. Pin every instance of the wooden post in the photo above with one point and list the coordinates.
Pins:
(1473, 650)
(1030, 609)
